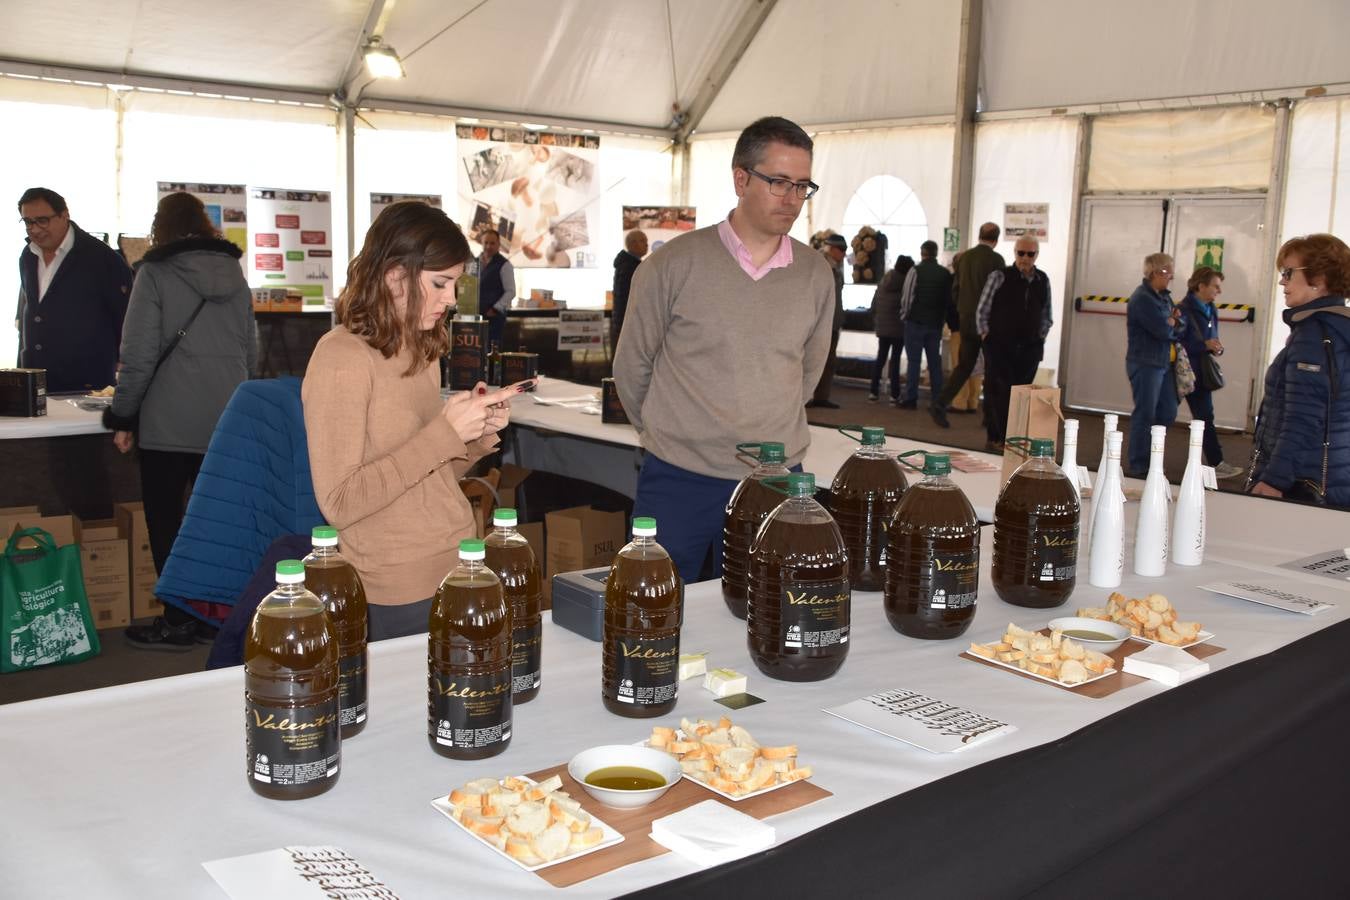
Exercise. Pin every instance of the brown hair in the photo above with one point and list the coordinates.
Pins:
(1201, 277)
(1321, 254)
(178, 216)
(414, 237)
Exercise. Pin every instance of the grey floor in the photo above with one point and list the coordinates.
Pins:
(120, 663)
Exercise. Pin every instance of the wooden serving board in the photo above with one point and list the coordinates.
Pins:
(636, 824)
(1102, 687)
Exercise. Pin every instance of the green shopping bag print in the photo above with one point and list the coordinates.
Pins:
(44, 614)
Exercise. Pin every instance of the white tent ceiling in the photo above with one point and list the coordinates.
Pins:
(628, 62)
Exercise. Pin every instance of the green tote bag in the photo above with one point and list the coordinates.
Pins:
(44, 614)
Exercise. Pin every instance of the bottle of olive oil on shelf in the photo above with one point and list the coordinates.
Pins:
(750, 504)
(797, 618)
(863, 498)
(291, 733)
(511, 559)
(640, 643)
(933, 556)
(337, 585)
(469, 661)
(1036, 533)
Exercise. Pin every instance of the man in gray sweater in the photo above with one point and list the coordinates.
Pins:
(727, 331)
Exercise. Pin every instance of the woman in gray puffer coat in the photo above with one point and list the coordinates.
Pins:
(889, 327)
(1302, 447)
(189, 281)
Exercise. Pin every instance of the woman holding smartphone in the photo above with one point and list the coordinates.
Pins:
(386, 453)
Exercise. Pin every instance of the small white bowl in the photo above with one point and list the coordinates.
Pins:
(658, 761)
(1118, 633)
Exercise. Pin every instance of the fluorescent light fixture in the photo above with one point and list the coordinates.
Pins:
(382, 60)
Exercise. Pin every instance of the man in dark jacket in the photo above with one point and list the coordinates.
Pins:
(923, 306)
(972, 271)
(73, 297)
(836, 248)
(625, 264)
(496, 285)
(1013, 317)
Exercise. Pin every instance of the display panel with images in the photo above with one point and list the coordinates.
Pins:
(226, 206)
(291, 244)
(537, 189)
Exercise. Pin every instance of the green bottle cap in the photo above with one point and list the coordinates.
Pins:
(873, 436)
(937, 464)
(801, 484)
(1042, 447)
(471, 548)
(504, 515)
(771, 452)
(324, 536)
(644, 526)
(290, 571)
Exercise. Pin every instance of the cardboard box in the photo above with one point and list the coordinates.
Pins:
(487, 492)
(581, 538)
(106, 565)
(61, 528)
(131, 519)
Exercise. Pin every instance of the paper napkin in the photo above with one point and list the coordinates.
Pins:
(1170, 665)
(711, 833)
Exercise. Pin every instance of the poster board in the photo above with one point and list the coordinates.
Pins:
(291, 244)
(1026, 220)
(378, 202)
(226, 206)
(581, 329)
(538, 189)
(659, 223)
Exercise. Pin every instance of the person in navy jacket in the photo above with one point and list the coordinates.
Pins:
(1153, 326)
(73, 296)
(1200, 340)
(1302, 446)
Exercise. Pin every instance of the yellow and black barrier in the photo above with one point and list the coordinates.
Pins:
(1246, 308)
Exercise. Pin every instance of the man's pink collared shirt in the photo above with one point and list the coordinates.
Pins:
(782, 256)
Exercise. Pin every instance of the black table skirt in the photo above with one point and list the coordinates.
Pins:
(1233, 785)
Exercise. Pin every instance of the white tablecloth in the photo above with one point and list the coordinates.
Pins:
(123, 792)
(63, 418)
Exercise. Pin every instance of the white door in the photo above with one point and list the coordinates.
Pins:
(1115, 236)
(1238, 222)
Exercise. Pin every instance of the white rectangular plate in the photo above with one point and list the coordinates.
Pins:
(1203, 636)
(612, 837)
(1016, 668)
(734, 798)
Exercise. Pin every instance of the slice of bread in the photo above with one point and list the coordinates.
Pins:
(552, 842)
(588, 838)
(528, 819)
(519, 848)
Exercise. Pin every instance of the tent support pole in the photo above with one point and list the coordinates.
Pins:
(967, 102)
(1279, 174)
(347, 151)
(1080, 172)
(737, 41)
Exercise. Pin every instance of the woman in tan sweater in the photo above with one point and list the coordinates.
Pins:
(385, 452)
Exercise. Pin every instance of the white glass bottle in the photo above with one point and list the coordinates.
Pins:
(1070, 462)
(1109, 423)
(1107, 562)
(1150, 529)
(1188, 522)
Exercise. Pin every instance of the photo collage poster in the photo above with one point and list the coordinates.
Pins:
(378, 202)
(659, 223)
(538, 189)
(292, 233)
(226, 207)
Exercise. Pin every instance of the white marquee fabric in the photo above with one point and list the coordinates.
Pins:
(1183, 149)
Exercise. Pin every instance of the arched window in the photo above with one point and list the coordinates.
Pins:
(887, 204)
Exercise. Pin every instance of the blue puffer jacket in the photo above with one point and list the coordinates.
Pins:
(1149, 333)
(1202, 324)
(254, 487)
(1294, 411)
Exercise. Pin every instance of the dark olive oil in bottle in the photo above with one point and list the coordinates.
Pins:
(1036, 533)
(863, 498)
(640, 644)
(750, 504)
(511, 559)
(292, 737)
(469, 661)
(338, 586)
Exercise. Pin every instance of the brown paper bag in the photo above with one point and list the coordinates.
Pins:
(1033, 412)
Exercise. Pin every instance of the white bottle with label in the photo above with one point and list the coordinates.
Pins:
(1109, 423)
(1188, 522)
(1107, 561)
(1150, 529)
(1070, 463)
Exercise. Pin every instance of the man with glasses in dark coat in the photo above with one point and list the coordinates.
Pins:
(1014, 317)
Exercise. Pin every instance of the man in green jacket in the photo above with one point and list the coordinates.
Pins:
(972, 271)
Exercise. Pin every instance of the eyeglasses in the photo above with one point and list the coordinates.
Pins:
(1031, 253)
(38, 221)
(1288, 273)
(779, 187)
(1166, 272)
